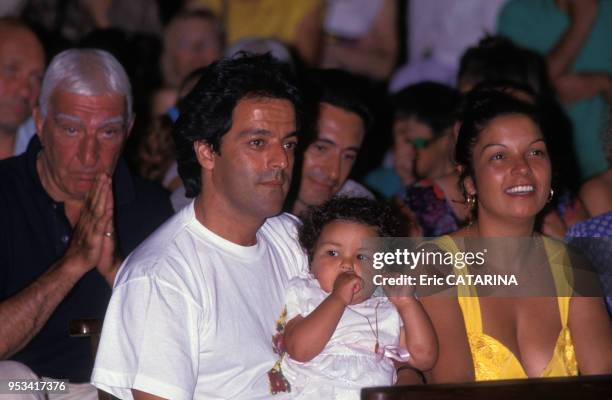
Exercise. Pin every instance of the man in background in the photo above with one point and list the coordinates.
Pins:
(22, 63)
(342, 122)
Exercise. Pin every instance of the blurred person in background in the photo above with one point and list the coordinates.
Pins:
(12, 8)
(596, 193)
(361, 36)
(410, 115)
(574, 36)
(594, 236)
(22, 64)
(75, 19)
(342, 121)
(156, 157)
(191, 40)
(438, 33)
(426, 116)
(298, 24)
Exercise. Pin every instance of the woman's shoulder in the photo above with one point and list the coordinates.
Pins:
(448, 243)
(556, 250)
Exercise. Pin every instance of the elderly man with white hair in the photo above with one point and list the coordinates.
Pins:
(70, 211)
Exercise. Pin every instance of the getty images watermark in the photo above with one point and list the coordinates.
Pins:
(459, 260)
(524, 266)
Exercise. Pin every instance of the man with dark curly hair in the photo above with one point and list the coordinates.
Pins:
(194, 308)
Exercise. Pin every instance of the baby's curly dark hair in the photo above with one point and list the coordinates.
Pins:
(376, 214)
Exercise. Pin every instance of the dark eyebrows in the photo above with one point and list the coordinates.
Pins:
(503, 145)
(251, 132)
(111, 123)
(294, 134)
(326, 141)
(334, 144)
(264, 132)
(492, 145)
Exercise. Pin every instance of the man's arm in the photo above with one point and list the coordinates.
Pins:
(24, 314)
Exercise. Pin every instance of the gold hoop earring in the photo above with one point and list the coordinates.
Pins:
(471, 201)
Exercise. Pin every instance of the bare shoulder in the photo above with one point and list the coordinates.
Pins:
(596, 193)
(463, 232)
(596, 183)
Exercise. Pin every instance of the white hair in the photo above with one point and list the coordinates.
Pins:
(86, 72)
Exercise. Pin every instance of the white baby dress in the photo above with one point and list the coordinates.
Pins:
(348, 361)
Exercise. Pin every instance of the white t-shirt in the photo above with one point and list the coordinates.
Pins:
(348, 361)
(192, 314)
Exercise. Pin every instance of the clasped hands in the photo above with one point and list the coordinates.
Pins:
(93, 243)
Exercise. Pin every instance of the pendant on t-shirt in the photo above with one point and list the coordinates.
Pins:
(376, 347)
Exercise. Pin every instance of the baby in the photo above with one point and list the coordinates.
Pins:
(338, 337)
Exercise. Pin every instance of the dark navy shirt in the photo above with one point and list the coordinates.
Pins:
(35, 232)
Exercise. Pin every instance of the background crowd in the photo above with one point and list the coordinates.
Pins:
(384, 81)
(391, 47)
(406, 59)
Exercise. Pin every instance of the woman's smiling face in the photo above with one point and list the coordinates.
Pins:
(511, 168)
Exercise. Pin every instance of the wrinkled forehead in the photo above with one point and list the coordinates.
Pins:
(69, 106)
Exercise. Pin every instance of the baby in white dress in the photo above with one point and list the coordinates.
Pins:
(338, 337)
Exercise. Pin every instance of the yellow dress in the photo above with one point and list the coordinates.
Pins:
(492, 359)
(275, 19)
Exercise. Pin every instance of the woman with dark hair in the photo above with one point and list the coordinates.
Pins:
(506, 180)
(497, 61)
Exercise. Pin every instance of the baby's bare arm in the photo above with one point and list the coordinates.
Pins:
(305, 337)
(418, 335)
